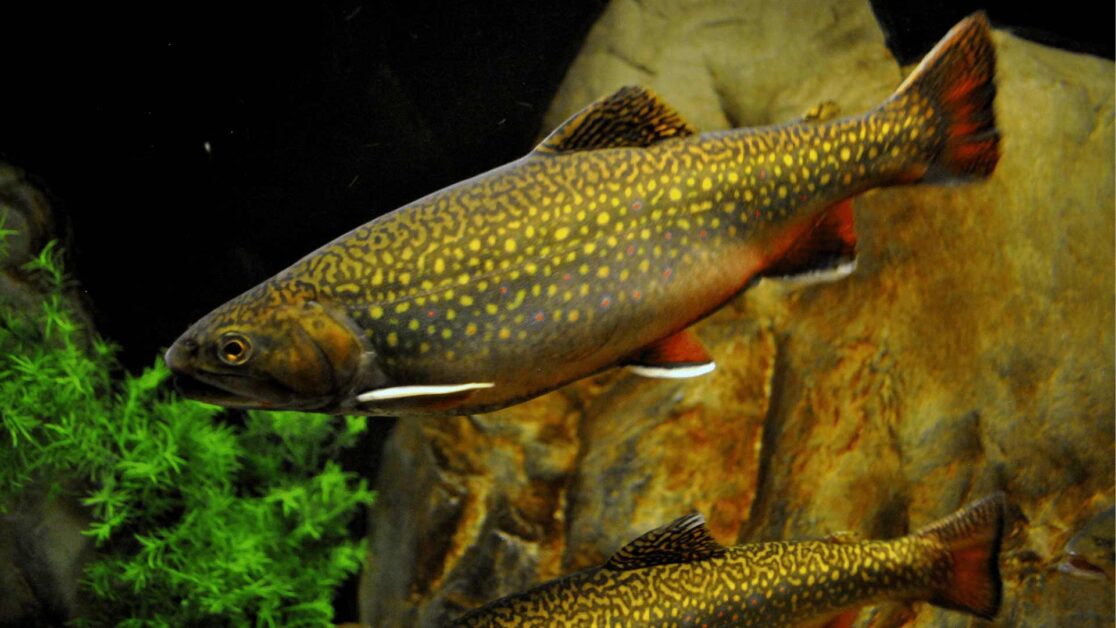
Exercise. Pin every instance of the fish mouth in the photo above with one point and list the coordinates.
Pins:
(1078, 566)
(206, 392)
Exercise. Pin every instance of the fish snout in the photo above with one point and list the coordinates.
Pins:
(182, 354)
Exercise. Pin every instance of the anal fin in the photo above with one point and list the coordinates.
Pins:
(674, 357)
(828, 245)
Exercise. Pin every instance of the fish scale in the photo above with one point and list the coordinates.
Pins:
(597, 249)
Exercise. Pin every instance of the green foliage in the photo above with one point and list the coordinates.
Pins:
(195, 521)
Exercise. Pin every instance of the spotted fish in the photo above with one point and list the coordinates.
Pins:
(598, 249)
(679, 575)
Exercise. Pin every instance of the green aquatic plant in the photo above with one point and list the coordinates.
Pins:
(195, 521)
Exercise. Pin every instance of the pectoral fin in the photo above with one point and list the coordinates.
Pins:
(673, 357)
(403, 392)
(844, 619)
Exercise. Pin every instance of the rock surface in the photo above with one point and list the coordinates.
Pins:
(42, 548)
(971, 351)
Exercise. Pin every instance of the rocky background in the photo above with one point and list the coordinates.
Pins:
(971, 351)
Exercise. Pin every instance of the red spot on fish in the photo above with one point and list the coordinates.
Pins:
(762, 173)
(605, 302)
(566, 277)
(503, 289)
(539, 316)
(636, 206)
(756, 213)
(803, 197)
(631, 249)
(667, 273)
(703, 234)
(636, 294)
(667, 235)
(431, 313)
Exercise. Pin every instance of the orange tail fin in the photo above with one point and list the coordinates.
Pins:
(956, 78)
(972, 538)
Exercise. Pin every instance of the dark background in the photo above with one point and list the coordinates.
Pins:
(318, 116)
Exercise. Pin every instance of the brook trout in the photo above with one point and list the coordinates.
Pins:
(679, 575)
(598, 249)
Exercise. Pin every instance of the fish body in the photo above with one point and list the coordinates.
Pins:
(679, 575)
(596, 250)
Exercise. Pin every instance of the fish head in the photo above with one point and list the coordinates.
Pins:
(1091, 553)
(268, 353)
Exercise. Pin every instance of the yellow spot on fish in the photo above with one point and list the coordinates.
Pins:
(707, 183)
(466, 300)
(471, 329)
(413, 325)
(603, 218)
(491, 308)
(574, 315)
(509, 245)
(602, 272)
(376, 312)
(402, 307)
(845, 153)
(675, 194)
(733, 177)
(392, 339)
(561, 233)
(505, 333)
(447, 333)
(439, 265)
(782, 191)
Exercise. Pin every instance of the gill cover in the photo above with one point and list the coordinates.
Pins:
(317, 356)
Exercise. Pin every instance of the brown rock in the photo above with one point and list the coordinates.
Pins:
(971, 351)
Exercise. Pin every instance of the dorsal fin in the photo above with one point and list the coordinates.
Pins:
(633, 116)
(684, 540)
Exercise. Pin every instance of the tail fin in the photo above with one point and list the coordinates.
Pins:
(956, 79)
(972, 537)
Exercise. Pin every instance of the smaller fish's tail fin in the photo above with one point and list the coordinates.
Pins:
(956, 81)
(971, 538)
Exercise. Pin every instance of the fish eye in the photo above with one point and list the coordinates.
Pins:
(234, 349)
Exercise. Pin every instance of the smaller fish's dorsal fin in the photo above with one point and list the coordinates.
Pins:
(633, 116)
(684, 540)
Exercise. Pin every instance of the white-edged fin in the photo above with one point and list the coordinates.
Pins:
(815, 277)
(402, 392)
(677, 372)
